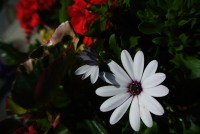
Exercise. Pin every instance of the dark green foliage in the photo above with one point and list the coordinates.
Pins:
(165, 30)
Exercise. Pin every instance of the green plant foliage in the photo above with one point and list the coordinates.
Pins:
(49, 97)
(150, 28)
(194, 129)
(190, 63)
(14, 108)
(10, 55)
(63, 16)
(113, 45)
(94, 127)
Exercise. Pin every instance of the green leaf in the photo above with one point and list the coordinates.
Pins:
(94, 29)
(63, 16)
(193, 21)
(103, 23)
(163, 41)
(152, 130)
(184, 38)
(146, 130)
(194, 129)
(182, 22)
(99, 9)
(43, 123)
(191, 3)
(97, 26)
(95, 127)
(193, 64)
(15, 108)
(114, 45)
(61, 129)
(162, 4)
(150, 27)
(176, 5)
(188, 62)
(23, 89)
(171, 14)
(134, 41)
(38, 52)
(11, 55)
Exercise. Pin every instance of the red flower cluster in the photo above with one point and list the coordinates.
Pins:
(27, 12)
(45, 4)
(81, 18)
(99, 1)
(87, 41)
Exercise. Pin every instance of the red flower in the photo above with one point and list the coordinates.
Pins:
(87, 41)
(27, 12)
(28, 5)
(27, 15)
(45, 4)
(99, 1)
(26, 130)
(81, 18)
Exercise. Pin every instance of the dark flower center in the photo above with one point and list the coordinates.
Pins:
(135, 88)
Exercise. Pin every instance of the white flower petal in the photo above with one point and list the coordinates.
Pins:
(120, 111)
(150, 69)
(134, 114)
(82, 69)
(151, 104)
(138, 65)
(111, 79)
(86, 74)
(107, 91)
(145, 114)
(158, 91)
(94, 74)
(153, 80)
(127, 63)
(108, 77)
(114, 102)
(119, 72)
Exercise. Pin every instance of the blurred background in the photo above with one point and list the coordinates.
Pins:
(10, 33)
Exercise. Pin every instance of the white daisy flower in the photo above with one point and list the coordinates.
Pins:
(91, 68)
(134, 87)
(88, 70)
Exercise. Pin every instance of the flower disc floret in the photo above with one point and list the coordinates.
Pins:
(135, 88)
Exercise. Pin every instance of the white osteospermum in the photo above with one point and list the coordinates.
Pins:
(88, 70)
(134, 87)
